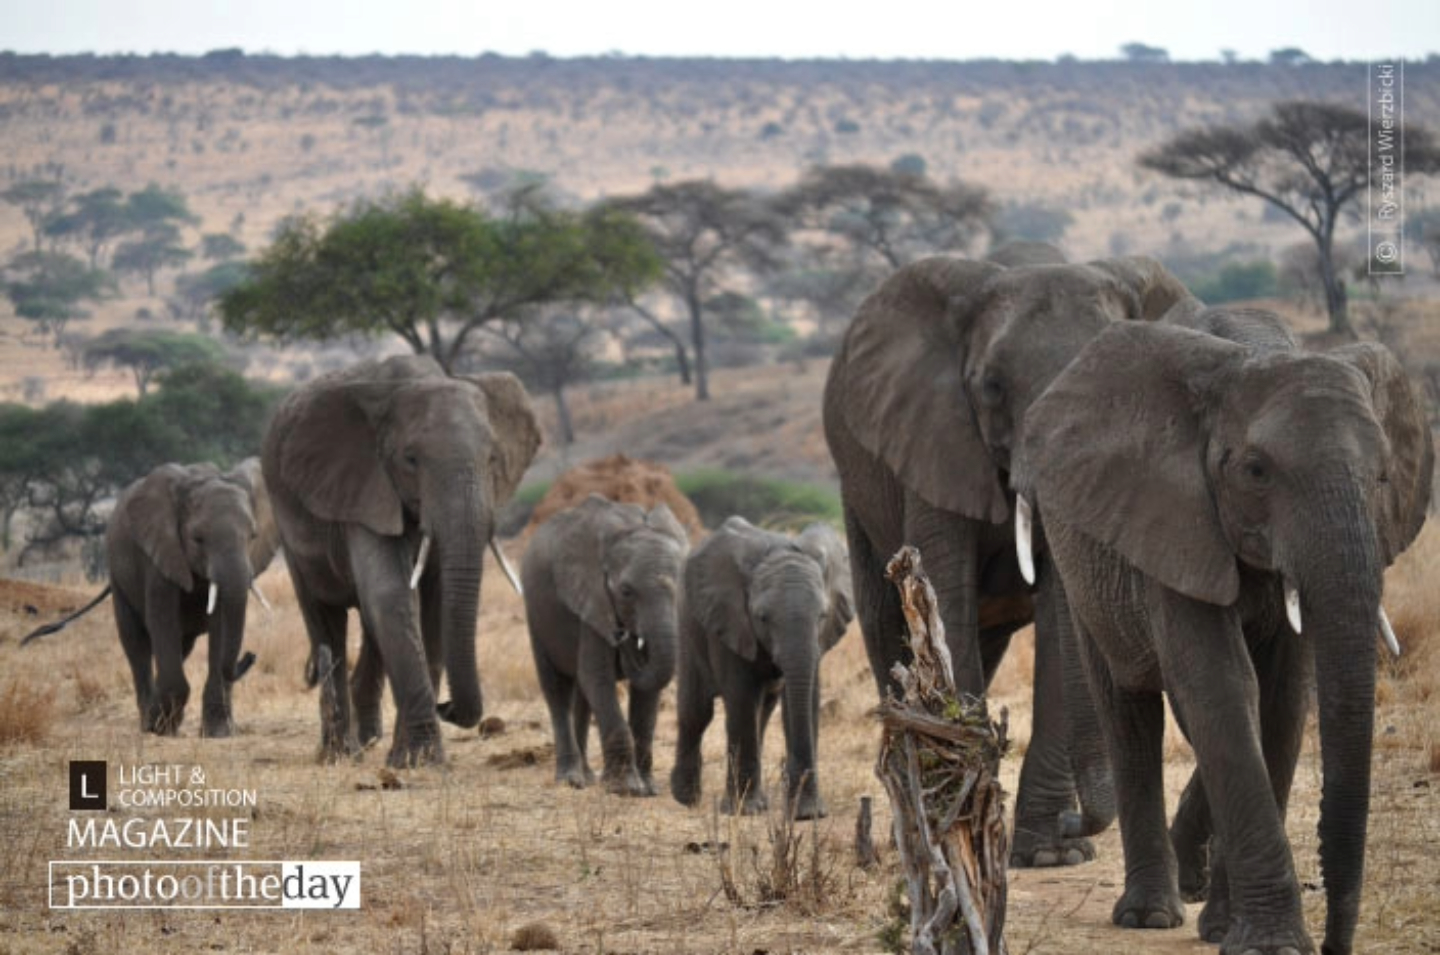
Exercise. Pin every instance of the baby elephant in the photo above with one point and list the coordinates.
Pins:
(758, 611)
(601, 581)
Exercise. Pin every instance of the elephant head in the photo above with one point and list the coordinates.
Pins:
(943, 359)
(199, 527)
(779, 604)
(401, 448)
(619, 572)
(1191, 456)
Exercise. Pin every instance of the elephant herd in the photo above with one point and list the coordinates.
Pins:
(1182, 501)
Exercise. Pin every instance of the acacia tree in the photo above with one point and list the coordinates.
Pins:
(147, 353)
(38, 199)
(49, 287)
(158, 247)
(432, 271)
(549, 352)
(705, 234)
(888, 217)
(1309, 160)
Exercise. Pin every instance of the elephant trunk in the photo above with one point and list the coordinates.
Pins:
(650, 667)
(460, 526)
(230, 579)
(1340, 597)
(801, 713)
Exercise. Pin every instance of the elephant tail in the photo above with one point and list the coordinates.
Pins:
(59, 625)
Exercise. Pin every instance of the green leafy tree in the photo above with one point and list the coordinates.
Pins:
(195, 293)
(18, 463)
(49, 287)
(220, 415)
(93, 220)
(432, 271)
(147, 353)
(38, 199)
(1309, 160)
(220, 247)
(158, 247)
(705, 235)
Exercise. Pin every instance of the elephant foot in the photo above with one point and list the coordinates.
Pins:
(1215, 919)
(685, 786)
(754, 803)
(627, 783)
(1032, 848)
(334, 751)
(163, 720)
(577, 776)
(371, 729)
(1246, 939)
(808, 806)
(218, 729)
(1148, 907)
(420, 746)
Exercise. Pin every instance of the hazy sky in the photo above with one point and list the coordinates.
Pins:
(943, 29)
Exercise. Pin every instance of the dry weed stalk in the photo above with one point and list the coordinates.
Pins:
(940, 760)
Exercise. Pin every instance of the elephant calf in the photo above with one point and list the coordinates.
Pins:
(600, 587)
(184, 546)
(758, 611)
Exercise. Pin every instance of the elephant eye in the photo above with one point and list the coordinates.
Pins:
(627, 591)
(411, 461)
(1255, 471)
(1384, 477)
(992, 390)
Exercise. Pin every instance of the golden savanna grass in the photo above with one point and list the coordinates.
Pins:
(488, 853)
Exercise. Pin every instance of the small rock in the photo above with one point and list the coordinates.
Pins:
(491, 726)
(534, 937)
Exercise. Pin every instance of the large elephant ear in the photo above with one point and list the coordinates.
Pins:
(821, 542)
(902, 391)
(583, 534)
(1116, 448)
(1145, 290)
(517, 432)
(1411, 467)
(329, 455)
(267, 533)
(152, 508)
(717, 583)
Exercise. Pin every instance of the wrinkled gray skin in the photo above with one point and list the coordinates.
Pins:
(1240, 470)
(360, 464)
(601, 582)
(923, 405)
(758, 611)
(174, 532)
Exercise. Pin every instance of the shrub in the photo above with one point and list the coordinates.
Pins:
(1237, 281)
(769, 502)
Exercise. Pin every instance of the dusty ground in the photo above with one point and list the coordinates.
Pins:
(459, 859)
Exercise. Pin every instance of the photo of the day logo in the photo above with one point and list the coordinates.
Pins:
(87, 785)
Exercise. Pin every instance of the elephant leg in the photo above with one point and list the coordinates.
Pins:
(326, 624)
(580, 717)
(644, 708)
(135, 641)
(744, 708)
(1280, 663)
(949, 547)
(367, 687)
(1048, 830)
(560, 696)
(695, 709)
(596, 674)
(1133, 724)
(381, 570)
(1217, 687)
(1191, 837)
(162, 622)
(994, 641)
(877, 605)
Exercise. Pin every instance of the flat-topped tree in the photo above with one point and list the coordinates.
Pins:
(432, 271)
(1310, 160)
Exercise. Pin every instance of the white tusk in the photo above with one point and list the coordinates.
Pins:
(505, 566)
(255, 589)
(1388, 632)
(1023, 530)
(420, 561)
(639, 643)
(1292, 607)
(214, 595)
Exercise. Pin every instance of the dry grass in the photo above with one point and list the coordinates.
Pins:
(26, 711)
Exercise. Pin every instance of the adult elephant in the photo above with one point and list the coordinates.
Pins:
(1205, 500)
(370, 469)
(184, 546)
(601, 582)
(758, 612)
(923, 405)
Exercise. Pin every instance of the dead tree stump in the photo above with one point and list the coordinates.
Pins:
(939, 761)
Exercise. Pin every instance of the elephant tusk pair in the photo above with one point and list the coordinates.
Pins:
(494, 548)
(1292, 613)
(1024, 529)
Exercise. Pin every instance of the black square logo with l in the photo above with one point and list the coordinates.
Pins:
(87, 784)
